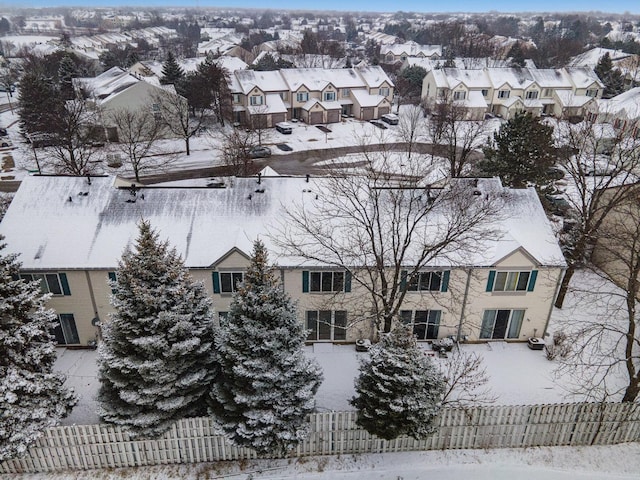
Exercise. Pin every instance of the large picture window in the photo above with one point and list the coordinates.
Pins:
(326, 281)
(511, 281)
(54, 283)
(65, 330)
(226, 282)
(326, 325)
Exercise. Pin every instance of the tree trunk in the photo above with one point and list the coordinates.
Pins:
(632, 391)
(186, 142)
(564, 286)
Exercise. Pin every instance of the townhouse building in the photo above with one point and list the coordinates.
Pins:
(311, 95)
(70, 233)
(565, 92)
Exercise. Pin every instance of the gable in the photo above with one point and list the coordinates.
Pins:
(234, 258)
(517, 258)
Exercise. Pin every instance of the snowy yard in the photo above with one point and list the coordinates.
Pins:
(518, 375)
(550, 463)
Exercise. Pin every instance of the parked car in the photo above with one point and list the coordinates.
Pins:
(260, 152)
(284, 127)
(390, 118)
(558, 204)
(378, 124)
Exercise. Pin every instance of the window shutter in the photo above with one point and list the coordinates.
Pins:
(492, 277)
(216, 282)
(112, 277)
(444, 286)
(64, 283)
(305, 281)
(532, 280)
(403, 280)
(347, 281)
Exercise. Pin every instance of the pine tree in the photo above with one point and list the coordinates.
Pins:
(522, 151)
(67, 71)
(266, 385)
(399, 389)
(32, 396)
(156, 360)
(171, 71)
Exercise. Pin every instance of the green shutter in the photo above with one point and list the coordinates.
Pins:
(113, 278)
(216, 282)
(403, 280)
(305, 281)
(492, 277)
(347, 281)
(64, 283)
(532, 280)
(444, 286)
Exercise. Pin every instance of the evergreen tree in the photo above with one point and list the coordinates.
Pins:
(67, 70)
(399, 390)
(32, 396)
(156, 360)
(171, 71)
(266, 385)
(39, 103)
(522, 151)
(612, 78)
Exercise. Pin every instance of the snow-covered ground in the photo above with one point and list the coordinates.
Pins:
(548, 463)
(517, 374)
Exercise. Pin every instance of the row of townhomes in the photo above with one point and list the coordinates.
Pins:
(70, 233)
(563, 92)
(311, 95)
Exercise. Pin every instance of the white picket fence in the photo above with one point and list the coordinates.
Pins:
(194, 440)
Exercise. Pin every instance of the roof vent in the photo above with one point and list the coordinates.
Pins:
(477, 192)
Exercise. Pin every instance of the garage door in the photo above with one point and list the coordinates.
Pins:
(315, 118)
(367, 113)
(333, 116)
(277, 117)
(383, 111)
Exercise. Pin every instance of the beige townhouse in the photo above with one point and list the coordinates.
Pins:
(70, 233)
(310, 95)
(565, 92)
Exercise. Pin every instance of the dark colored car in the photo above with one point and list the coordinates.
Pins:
(378, 124)
(260, 152)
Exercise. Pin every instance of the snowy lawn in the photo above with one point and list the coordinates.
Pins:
(548, 463)
(518, 375)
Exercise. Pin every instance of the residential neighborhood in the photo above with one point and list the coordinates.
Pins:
(242, 234)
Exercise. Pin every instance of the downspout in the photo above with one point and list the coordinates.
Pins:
(464, 305)
(558, 283)
(93, 301)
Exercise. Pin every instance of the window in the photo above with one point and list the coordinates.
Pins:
(346, 92)
(114, 278)
(547, 92)
(326, 281)
(284, 96)
(485, 93)
(511, 281)
(384, 91)
(503, 94)
(459, 95)
(255, 100)
(226, 282)
(54, 283)
(532, 95)
(236, 98)
(329, 96)
(65, 330)
(229, 281)
(326, 325)
(426, 323)
(500, 324)
(435, 281)
(592, 93)
(302, 96)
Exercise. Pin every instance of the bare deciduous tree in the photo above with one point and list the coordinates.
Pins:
(453, 132)
(596, 157)
(467, 381)
(411, 127)
(234, 145)
(138, 135)
(384, 226)
(75, 134)
(174, 113)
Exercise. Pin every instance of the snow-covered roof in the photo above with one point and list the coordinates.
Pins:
(365, 99)
(59, 222)
(627, 104)
(317, 79)
(569, 99)
(591, 57)
(267, 81)
(583, 77)
(411, 49)
(374, 76)
(273, 104)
